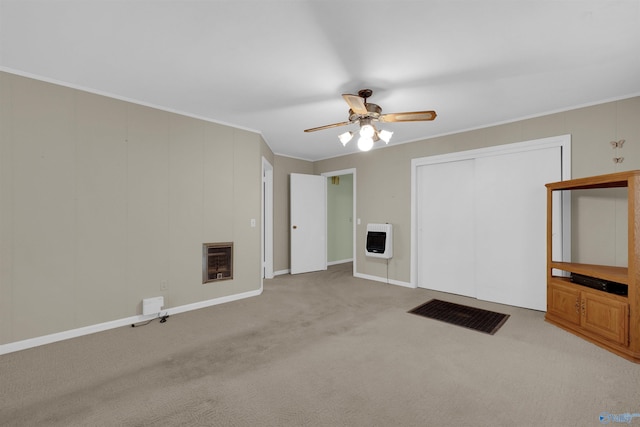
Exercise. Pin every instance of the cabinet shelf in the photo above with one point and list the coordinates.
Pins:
(605, 272)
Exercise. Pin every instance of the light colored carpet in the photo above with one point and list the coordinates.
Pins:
(320, 349)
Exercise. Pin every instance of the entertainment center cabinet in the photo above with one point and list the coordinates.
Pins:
(609, 320)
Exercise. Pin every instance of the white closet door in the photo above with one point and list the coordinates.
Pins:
(445, 215)
(510, 200)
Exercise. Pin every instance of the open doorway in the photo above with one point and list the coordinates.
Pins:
(341, 211)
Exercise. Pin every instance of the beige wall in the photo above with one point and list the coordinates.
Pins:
(104, 203)
(384, 179)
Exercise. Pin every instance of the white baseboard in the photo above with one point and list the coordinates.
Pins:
(73, 333)
(211, 302)
(384, 280)
(287, 271)
(342, 261)
(281, 272)
(362, 276)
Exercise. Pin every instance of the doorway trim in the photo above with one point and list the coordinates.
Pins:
(351, 171)
(266, 237)
(562, 141)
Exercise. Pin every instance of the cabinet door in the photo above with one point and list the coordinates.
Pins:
(564, 302)
(605, 317)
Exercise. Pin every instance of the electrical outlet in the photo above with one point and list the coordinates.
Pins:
(164, 285)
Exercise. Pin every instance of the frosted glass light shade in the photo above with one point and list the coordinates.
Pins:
(367, 131)
(345, 137)
(385, 135)
(365, 144)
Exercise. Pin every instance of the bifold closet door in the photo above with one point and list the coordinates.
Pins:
(510, 225)
(445, 215)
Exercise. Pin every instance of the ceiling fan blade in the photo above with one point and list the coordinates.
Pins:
(414, 116)
(356, 103)
(335, 125)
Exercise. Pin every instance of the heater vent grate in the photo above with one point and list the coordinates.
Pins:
(217, 262)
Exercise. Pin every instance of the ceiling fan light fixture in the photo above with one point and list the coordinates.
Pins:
(365, 115)
(345, 137)
(367, 131)
(385, 135)
(365, 143)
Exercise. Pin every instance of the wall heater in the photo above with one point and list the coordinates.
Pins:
(152, 305)
(379, 241)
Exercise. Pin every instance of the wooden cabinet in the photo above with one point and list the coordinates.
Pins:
(603, 316)
(609, 320)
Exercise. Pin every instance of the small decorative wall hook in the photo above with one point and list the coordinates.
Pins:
(618, 159)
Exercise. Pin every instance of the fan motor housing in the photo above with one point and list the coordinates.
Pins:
(374, 112)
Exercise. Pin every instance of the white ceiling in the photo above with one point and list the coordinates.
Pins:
(279, 66)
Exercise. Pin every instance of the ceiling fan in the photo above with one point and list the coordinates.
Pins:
(366, 114)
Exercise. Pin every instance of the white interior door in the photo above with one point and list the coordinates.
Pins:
(308, 228)
(446, 242)
(511, 226)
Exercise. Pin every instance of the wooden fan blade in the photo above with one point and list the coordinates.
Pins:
(335, 125)
(355, 103)
(414, 116)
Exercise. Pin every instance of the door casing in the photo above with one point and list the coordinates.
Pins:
(352, 172)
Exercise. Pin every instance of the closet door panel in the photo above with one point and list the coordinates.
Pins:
(445, 214)
(510, 200)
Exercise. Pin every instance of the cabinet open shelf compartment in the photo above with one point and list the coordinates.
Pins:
(605, 272)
